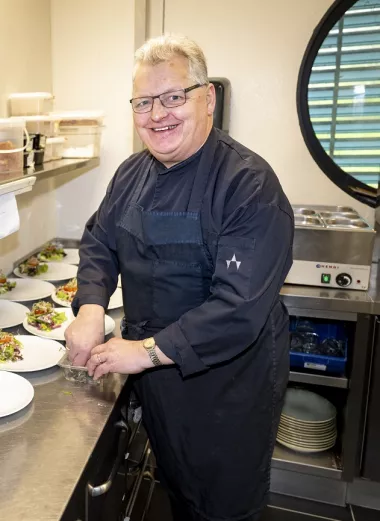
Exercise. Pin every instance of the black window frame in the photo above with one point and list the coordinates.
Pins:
(353, 187)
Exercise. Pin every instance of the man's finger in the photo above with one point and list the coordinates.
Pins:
(101, 370)
(99, 349)
(80, 359)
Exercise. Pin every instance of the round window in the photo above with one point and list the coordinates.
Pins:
(338, 97)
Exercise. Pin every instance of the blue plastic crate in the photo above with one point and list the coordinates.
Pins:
(319, 362)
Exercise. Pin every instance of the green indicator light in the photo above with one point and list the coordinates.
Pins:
(325, 278)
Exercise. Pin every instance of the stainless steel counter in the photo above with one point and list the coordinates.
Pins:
(45, 448)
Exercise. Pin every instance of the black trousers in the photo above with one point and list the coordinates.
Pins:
(181, 512)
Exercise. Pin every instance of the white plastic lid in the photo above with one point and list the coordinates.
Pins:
(80, 114)
(34, 118)
(12, 122)
(28, 95)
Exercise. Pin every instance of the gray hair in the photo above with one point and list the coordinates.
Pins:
(163, 48)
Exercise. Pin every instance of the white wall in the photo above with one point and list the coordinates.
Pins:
(259, 46)
(26, 66)
(93, 42)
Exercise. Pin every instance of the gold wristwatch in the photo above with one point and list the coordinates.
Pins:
(150, 346)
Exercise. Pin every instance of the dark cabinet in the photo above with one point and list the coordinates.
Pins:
(371, 452)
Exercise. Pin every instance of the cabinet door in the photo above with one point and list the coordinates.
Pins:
(371, 455)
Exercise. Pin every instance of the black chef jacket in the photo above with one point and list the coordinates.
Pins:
(243, 200)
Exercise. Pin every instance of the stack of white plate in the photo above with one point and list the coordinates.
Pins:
(308, 422)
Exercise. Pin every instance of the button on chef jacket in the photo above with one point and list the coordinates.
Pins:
(247, 226)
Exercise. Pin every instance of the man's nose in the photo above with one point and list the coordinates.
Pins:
(158, 110)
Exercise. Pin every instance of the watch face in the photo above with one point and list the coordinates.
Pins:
(149, 343)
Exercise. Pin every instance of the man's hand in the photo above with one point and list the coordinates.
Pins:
(118, 356)
(122, 356)
(86, 332)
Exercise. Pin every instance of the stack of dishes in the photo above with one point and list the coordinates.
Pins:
(308, 422)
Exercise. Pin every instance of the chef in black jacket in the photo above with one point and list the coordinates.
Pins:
(201, 232)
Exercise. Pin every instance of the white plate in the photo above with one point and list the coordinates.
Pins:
(306, 406)
(57, 271)
(59, 333)
(72, 256)
(116, 300)
(15, 393)
(11, 313)
(304, 449)
(28, 289)
(38, 354)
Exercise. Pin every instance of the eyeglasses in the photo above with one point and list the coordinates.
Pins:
(174, 98)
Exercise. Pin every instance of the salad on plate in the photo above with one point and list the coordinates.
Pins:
(33, 267)
(5, 286)
(53, 251)
(10, 348)
(67, 291)
(44, 317)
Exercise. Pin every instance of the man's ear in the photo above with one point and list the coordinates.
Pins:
(210, 99)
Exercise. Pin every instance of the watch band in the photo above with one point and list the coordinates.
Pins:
(150, 346)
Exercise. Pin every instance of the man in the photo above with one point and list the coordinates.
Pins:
(201, 232)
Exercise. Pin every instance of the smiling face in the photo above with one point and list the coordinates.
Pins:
(173, 134)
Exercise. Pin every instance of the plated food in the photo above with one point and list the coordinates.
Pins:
(54, 272)
(32, 267)
(64, 295)
(10, 348)
(36, 354)
(52, 251)
(25, 290)
(5, 284)
(58, 333)
(44, 317)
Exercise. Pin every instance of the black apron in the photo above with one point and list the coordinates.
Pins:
(212, 433)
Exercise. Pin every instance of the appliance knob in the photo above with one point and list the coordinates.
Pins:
(343, 280)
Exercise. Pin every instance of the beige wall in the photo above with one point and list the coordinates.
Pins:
(93, 42)
(26, 66)
(25, 48)
(259, 46)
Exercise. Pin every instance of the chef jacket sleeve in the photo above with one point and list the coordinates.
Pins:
(254, 255)
(98, 268)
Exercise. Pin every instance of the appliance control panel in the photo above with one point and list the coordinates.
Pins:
(324, 274)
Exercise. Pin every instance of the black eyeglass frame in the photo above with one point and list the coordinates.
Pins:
(185, 91)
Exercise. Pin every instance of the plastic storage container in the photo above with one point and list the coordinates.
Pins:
(30, 103)
(83, 132)
(46, 125)
(77, 374)
(54, 148)
(319, 346)
(11, 145)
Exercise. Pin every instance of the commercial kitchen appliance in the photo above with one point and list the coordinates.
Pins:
(333, 247)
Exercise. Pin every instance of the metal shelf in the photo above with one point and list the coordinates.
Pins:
(319, 379)
(52, 168)
(325, 464)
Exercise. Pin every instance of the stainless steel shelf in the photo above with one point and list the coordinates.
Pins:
(325, 464)
(53, 168)
(318, 379)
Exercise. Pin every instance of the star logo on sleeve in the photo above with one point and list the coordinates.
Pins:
(233, 260)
